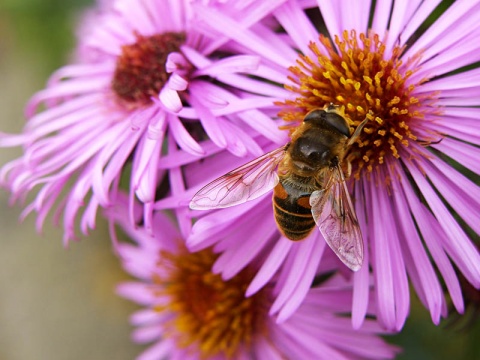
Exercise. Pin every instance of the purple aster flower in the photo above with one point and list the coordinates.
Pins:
(422, 105)
(191, 313)
(143, 71)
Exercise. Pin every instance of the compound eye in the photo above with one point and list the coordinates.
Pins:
(337, 122)
(331, 118)
(315, 116)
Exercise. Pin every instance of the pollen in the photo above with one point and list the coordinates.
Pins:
(212, 316)
(362, 78)
(140, 69)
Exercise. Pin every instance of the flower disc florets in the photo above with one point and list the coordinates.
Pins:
(212, 315)
(358, 76)
(140, 72)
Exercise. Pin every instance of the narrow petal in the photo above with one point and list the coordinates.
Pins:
(448, 28)
(170, 99)
(209, 121)
(381, 260)
(421, 265)
(401, 13)
(289, 280)
(160, 350)
(461, 152)
(432, 234)
(333, 20)
(462, 195)
(381, 16)
(361, 278)
(270, 265)
(182, 136)
(459, 240)
(257, 11)
(175, 61)
(65, 89)
(135, 291)
(145, 181)
(239, 255)
(282, 56)
(110, 162)
(420, 14)
(303, 286)
(232, 64)
(298, 26)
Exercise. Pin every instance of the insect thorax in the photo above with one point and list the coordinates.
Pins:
(300, 185)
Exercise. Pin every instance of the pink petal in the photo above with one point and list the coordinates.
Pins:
(361, 278)
(160, 350)
(238, 256)
(448, 28)
(232, 64)
(300, 261)
(457, 237)
(462, 194)
(175, 61)
(419, 15)
(421, 263)
(270, 265)
(297, 25)
(137, 292)
(229, 27)
(401, 13)
(381, 260)
(182, 136)
(303, 285)
(177, 83)
(64, 89)
(461, 152)
(170, 99)
(381, 16)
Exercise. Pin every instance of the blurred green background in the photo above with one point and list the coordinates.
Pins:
(55, 304)
(60, 304)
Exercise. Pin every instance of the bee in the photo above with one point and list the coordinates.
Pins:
(308, 184)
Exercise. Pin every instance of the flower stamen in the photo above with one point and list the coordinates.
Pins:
(212, 315)
(358, 75)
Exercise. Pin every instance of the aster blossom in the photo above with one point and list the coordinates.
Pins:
(143, 73)
(190, 313)
(422, 110)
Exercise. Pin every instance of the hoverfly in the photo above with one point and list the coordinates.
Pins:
(308, 185)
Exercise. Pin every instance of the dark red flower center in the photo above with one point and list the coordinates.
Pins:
(140, 71)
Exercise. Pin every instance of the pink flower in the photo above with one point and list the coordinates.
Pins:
(191, 313)
(144, 74)
(422, 110)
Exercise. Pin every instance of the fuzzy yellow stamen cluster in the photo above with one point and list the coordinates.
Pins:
(211, 316)
(359, 77)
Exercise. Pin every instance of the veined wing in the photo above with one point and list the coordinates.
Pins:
(333, 212)
(245, 183)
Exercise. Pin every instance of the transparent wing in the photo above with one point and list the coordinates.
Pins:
(245, 183)
(335, 216)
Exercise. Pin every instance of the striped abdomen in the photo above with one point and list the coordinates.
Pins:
(292, 211)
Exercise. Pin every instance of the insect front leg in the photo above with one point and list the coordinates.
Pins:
(347, 168)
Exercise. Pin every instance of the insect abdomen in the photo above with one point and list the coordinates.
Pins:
(292, 213)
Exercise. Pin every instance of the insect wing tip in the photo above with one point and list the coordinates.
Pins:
(197, 204)
(352, 260)
(192, 205)
(355, 267)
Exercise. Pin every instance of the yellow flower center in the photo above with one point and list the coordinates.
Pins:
(211, 316)
(358, 77)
